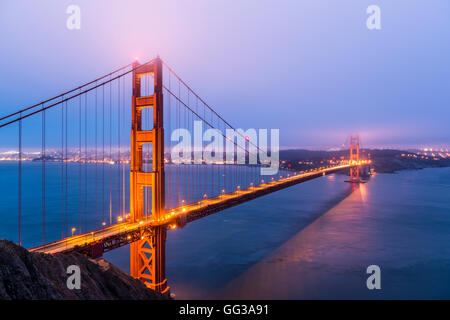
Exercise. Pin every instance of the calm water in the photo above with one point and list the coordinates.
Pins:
(313, 240)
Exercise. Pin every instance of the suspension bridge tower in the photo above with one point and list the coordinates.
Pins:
(147, 255)
(354, 159)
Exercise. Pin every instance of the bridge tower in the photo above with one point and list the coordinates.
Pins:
(147, 255)
(354, 158)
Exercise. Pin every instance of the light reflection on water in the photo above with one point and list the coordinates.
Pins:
(315, 241)
(399, 222)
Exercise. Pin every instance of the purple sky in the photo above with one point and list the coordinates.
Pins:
(310, 68)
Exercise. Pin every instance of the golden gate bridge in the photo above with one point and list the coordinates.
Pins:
(131, 196)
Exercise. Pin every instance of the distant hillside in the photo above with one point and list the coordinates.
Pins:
(383, 161)
(38, 276)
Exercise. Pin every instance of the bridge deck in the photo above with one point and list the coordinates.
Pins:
(126, 232)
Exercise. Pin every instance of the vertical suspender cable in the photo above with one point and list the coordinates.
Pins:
(62, 169)
(43, 176)
(85, 163)
(119, 148)
(178, 164)
(96, 159)
(20, 181)
(79, 164)
(123, 146)
(168, 143)
(188, 168)
(66, 174)
(110, 153)
(103, 155)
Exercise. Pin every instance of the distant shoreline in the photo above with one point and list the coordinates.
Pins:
(383, 161)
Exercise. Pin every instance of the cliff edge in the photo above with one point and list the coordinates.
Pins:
(39, 276)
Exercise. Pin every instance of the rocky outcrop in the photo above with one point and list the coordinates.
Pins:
(31, 275)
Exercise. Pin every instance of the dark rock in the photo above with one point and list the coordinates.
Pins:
(32, 275)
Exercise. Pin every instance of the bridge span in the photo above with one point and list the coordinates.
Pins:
(96, 242)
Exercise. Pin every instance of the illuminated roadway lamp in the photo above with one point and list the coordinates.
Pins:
(205, 196)
(238, 187)
(119, 219)
(103, 223)
(73, 230)
(184, 210)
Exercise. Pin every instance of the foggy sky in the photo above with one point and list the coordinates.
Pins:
(310, 68)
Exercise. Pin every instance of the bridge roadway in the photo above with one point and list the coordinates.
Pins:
(96, 242)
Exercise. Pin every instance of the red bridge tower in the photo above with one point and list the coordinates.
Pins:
(354, 160)
(147, 255)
